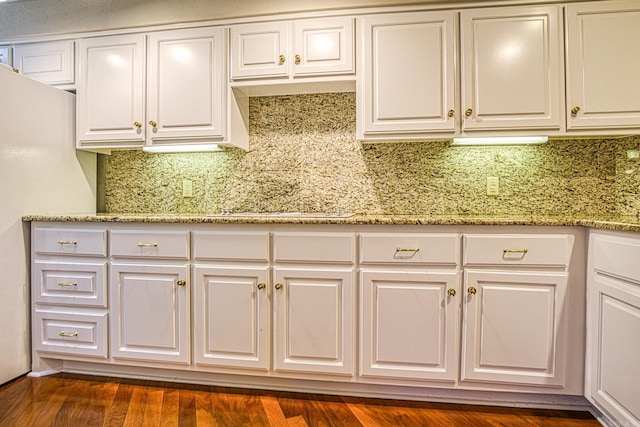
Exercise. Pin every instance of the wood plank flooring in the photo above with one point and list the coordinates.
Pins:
(74, 401)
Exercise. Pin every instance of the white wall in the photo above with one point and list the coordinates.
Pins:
(39, 17)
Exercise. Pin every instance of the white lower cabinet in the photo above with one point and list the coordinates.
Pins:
(150, 295)
(150, 312)
(313, 304)
(514, 327)
(410, 324)
(231, 300)
(613, 327)
(409, 306)
(313, 320)
(362, 307)
(69, 293)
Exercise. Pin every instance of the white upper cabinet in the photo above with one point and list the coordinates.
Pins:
(279, 49)
(512, 67)
(407, 85)
(49, 62)
(185, 85)
(179, 96)
(110, 95)
(603, 81)
(259, 50)
(323, 46)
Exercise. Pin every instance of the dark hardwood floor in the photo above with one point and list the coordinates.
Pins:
(73, 401)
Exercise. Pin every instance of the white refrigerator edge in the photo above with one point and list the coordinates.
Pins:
(40, 173)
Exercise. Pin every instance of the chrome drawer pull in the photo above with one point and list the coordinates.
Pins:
(407, 249)
(67, 334)
(515, 251)
(67, 242)
(147, 245)
(67, 284)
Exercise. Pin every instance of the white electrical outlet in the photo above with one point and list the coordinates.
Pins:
(187, 188)
(493, 186)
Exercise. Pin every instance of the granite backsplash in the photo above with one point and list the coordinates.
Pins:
(304, 157)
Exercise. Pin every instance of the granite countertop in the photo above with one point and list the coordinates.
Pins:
(621, 223)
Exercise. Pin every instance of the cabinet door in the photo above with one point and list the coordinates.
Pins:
(514, 327)
(51, 62)
(231, 317)
(409, 324)
(5, 55)
(313, 315)
(408, 80)
(150, 312)
(614, 342)
(259, 50)
(603, 82)
(323, 46)
(512, 64)
(185, 85)
(110, 100)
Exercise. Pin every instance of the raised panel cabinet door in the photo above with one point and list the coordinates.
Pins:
(408, 76)
(51, 62)
(409, 324)
(512, 68)
(231, 317)
(260, 50)
(111, 93)
(186, 82)
(313, 321)
(323, 46)
(514, 327)
(614, 343)
(150, 312)
(603, 82)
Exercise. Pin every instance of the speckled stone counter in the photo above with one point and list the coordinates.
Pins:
(626, 223)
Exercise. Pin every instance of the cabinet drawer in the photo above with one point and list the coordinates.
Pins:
(234, 246)
(78, 334)
(314, 247)
(69, 241)
(150, 244)
(617, 256)
(82, 284)
(409, 249)
(518, 249)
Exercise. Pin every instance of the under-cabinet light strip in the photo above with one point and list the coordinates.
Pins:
(502, 140)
